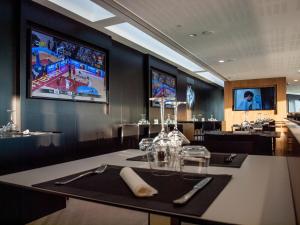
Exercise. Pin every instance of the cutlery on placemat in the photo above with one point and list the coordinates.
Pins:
(186, 197)
(230, 157)
(99, 170)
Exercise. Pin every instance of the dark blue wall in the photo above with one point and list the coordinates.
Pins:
(8, 41)
(86, 127)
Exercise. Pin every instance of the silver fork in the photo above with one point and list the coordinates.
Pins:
(230, 157)
(99, 170)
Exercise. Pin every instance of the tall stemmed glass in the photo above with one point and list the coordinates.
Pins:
(175, 135)
(245, 123)
(11, 126)
(162, 100)
(162, 159)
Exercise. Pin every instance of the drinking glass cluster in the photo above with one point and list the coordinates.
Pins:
(163, 151)
(10, 126)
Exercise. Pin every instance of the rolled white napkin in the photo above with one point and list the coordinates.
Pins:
(137, 185)
(26, 131)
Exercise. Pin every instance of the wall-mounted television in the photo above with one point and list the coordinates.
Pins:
(190, 96)
(61, 68)
(162, 85)
(263, 98)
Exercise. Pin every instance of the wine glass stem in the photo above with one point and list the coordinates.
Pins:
(162, 115)
(175, 116)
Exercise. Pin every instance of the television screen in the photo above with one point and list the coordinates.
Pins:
(254, 99)
(63, 69)
(163, 85)
(190, 97)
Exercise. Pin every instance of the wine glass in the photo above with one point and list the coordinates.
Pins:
(145, 145)
(11, 126)
(162, 100)
(143, 120)
(164, 157)
(245, 124)
(177, 138)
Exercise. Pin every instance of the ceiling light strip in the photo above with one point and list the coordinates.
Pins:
(209, 76)
(87, 9)
(144, 40)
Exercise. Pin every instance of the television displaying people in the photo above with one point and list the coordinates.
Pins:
(254, 98)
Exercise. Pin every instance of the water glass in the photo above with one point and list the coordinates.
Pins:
(194, 161)
(163, 159)
(145, 143)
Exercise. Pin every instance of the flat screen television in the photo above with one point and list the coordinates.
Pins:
(64, 69)
(254, 99)
(162, 85)
(190, 97)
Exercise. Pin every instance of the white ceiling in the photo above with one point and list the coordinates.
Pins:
(260, 38)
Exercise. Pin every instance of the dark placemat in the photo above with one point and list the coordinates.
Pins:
(109, 188)
(217, 159)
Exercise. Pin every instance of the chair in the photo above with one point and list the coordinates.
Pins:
(198, 132)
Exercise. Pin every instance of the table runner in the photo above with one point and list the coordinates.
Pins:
(109, 188)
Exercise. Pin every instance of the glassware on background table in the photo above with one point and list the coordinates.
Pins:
(245, 124)
(194, 119)
(168, 121)
(200, 116)
(11, 126)
(143, 120)
(194, 159)
(259, 118)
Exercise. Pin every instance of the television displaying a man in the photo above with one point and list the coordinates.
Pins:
(248, 99)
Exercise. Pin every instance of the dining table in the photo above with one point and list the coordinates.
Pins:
(258, 192)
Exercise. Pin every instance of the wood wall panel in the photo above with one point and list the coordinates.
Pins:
(236, 117)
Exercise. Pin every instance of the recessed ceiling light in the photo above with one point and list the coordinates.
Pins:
(146, 41)
(299, 71)
(207, 32)
(296, 80)
(192, 35)
(86, 9)
(221, 60)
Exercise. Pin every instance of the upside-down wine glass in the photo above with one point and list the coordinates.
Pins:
(162, 159)
(162, 100)
(175, 135)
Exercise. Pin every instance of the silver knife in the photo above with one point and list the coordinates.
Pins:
(186, 197)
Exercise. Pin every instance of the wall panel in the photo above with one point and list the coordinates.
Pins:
(236, 117)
